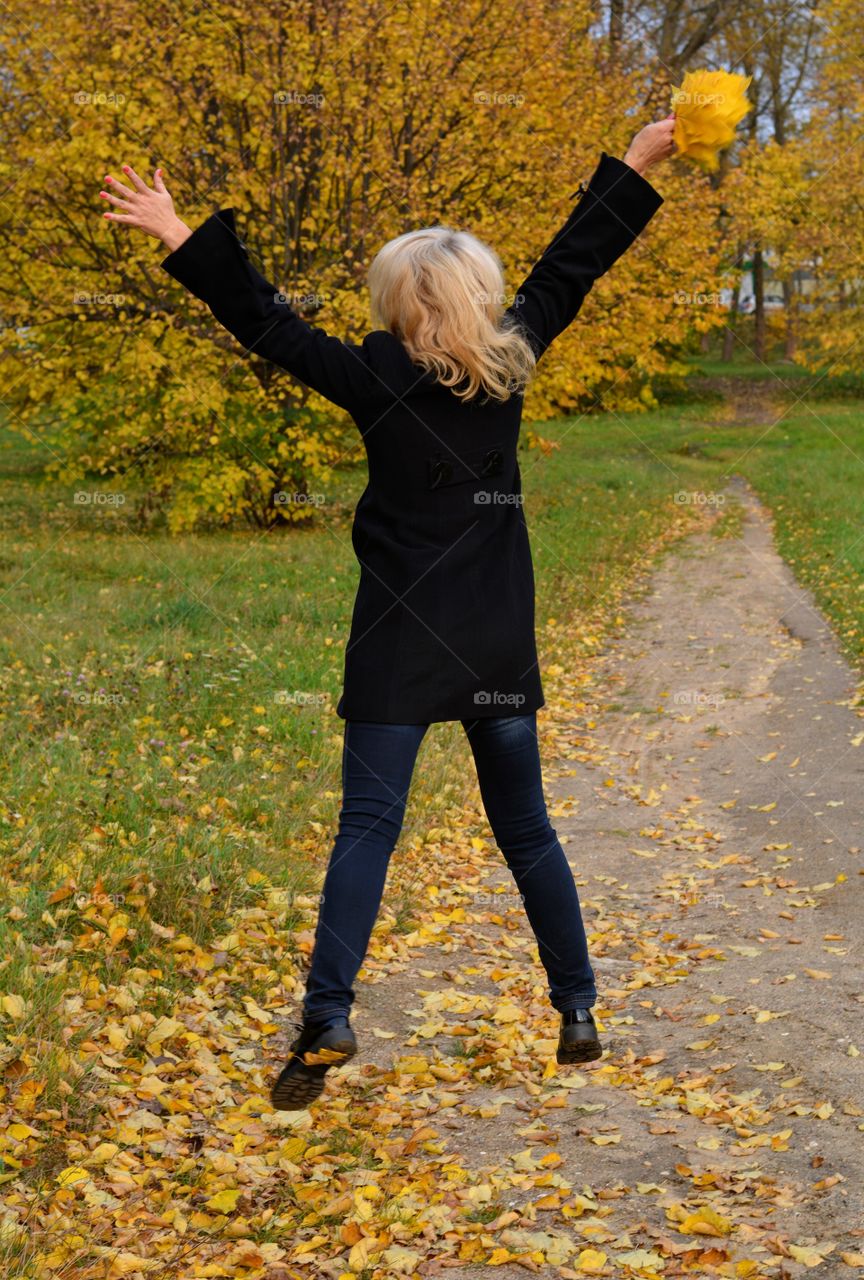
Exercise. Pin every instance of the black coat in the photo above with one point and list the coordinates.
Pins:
(443, 623)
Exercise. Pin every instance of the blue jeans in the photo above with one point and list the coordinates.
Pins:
(377, 765)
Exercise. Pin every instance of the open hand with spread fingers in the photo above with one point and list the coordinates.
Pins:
(150, 209)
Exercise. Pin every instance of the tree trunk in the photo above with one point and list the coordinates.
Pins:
(790, 306)
(759, 304)
(729, 330)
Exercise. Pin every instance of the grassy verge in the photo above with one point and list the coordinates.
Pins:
(816, 383)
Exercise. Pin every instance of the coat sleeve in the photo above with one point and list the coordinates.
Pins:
(213, 263)
(615, 207)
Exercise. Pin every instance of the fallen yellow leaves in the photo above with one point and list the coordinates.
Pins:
(705, 1221)
(419, 1156)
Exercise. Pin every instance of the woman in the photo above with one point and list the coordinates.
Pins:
(443, 622)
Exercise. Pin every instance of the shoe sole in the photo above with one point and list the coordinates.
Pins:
(300, 1088)
(584, 1051)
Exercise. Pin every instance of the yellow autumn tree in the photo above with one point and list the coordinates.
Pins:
(771, 194)
(833, 325)
(330, 130)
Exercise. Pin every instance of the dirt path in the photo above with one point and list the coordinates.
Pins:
(709, 798)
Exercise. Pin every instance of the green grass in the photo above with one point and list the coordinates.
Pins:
(811, 380)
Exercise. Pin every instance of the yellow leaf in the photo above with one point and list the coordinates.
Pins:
(117, 1037)
(400, 1259)
(13, 1005)
(21, 1131)
(164, 1029)
(104, 1152)
(225, 1201)
(641, 1258)
(706, 1222)
(123, 1264)
(590, 1260)
(358, 1258)
(306, 1246)
(807, 1255)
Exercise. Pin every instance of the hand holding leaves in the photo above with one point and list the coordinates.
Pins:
(651, 145)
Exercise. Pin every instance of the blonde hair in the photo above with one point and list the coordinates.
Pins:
(441, 292)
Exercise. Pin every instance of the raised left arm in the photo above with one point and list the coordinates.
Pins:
(213, 263)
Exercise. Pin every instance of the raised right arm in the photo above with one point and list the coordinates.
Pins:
(616, 206)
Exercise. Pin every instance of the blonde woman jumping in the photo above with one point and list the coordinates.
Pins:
(443, 622)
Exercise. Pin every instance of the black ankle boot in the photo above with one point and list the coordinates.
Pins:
(316, 1049)
(578, 1040)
